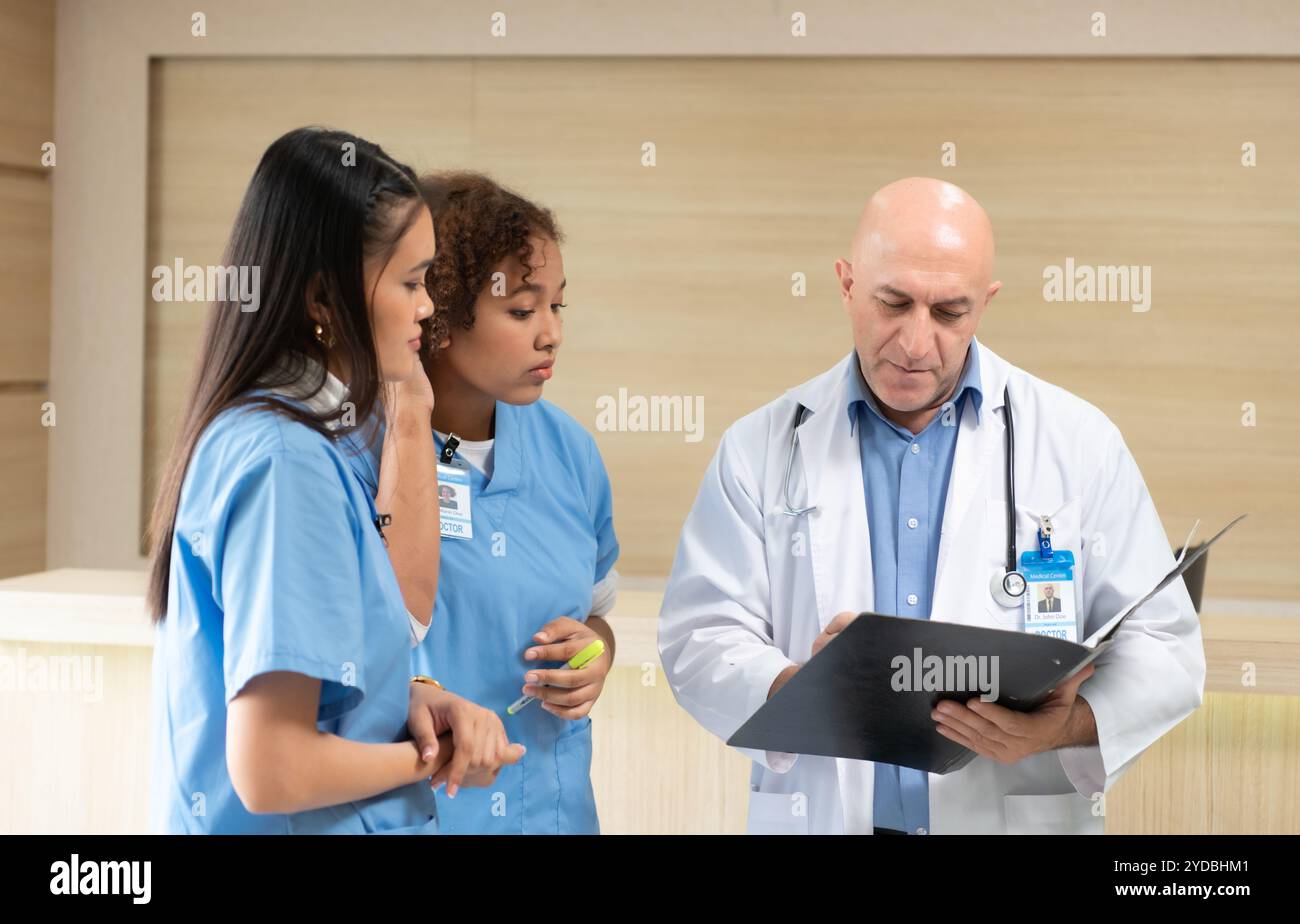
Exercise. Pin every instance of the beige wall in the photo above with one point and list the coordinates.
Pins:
(1043, 156)
(26, 123)
(680, 274)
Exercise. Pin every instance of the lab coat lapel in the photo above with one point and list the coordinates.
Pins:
(839, 540)
(979, 447)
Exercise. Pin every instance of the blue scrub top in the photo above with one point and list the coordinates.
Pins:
(543, 537)
(276, 565)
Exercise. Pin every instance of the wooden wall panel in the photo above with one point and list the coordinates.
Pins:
(680, 274)
(26, 123)
(24, 276)
(27, 74)
(1230, 768)
(22, 481)
(197, 178)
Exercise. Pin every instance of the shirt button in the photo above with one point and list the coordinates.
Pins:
(916, 448)
(911, 522)
(911, 599)
(922, 831)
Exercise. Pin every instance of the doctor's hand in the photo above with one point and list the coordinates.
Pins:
(480, 746)
(1007, 736)
(833, 628)
(568, 694)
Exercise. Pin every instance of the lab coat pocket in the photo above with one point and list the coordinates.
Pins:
(1066, 813)
(1066, 528)
(573, 768)
(776, 813)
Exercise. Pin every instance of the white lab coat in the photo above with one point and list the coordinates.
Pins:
(752, 587)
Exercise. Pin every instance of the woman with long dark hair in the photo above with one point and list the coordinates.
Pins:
(281, 676)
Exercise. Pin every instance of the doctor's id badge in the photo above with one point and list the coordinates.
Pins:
(1049, 594)
(454, 501)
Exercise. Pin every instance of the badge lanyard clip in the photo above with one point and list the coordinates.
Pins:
(384, 519)
(449, 449)
(1045, 538)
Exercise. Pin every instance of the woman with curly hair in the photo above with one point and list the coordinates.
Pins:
(526, 585)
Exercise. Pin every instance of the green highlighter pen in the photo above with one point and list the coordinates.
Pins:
(578, 661)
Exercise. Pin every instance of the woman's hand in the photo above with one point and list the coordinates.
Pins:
(409, 413)
(569, 694)
(414, 392)
(481, 748)
(407, 491)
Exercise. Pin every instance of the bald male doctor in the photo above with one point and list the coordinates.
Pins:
(893, 499)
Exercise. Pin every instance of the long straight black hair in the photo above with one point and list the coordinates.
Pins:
(320, 204)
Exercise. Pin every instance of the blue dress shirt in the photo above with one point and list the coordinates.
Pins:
(905, 480)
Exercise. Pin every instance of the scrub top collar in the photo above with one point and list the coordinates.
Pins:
(323, 401)
(508, 452)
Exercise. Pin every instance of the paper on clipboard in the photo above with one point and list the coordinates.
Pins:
(1181, 564)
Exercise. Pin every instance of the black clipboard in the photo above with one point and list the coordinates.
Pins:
(855, 699)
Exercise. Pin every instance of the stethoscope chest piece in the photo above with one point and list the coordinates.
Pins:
(1008, 588)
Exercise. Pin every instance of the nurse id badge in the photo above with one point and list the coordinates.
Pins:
(454, 501)
(1049, 594)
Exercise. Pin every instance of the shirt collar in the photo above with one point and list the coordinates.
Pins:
(969, 381)
(323, 401)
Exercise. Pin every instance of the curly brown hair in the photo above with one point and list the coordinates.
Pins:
(478, 224)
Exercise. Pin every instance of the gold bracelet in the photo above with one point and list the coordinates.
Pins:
(420, 678)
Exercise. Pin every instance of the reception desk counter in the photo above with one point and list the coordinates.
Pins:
(75, 651)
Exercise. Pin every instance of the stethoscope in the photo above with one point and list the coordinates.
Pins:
(1007, 586)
